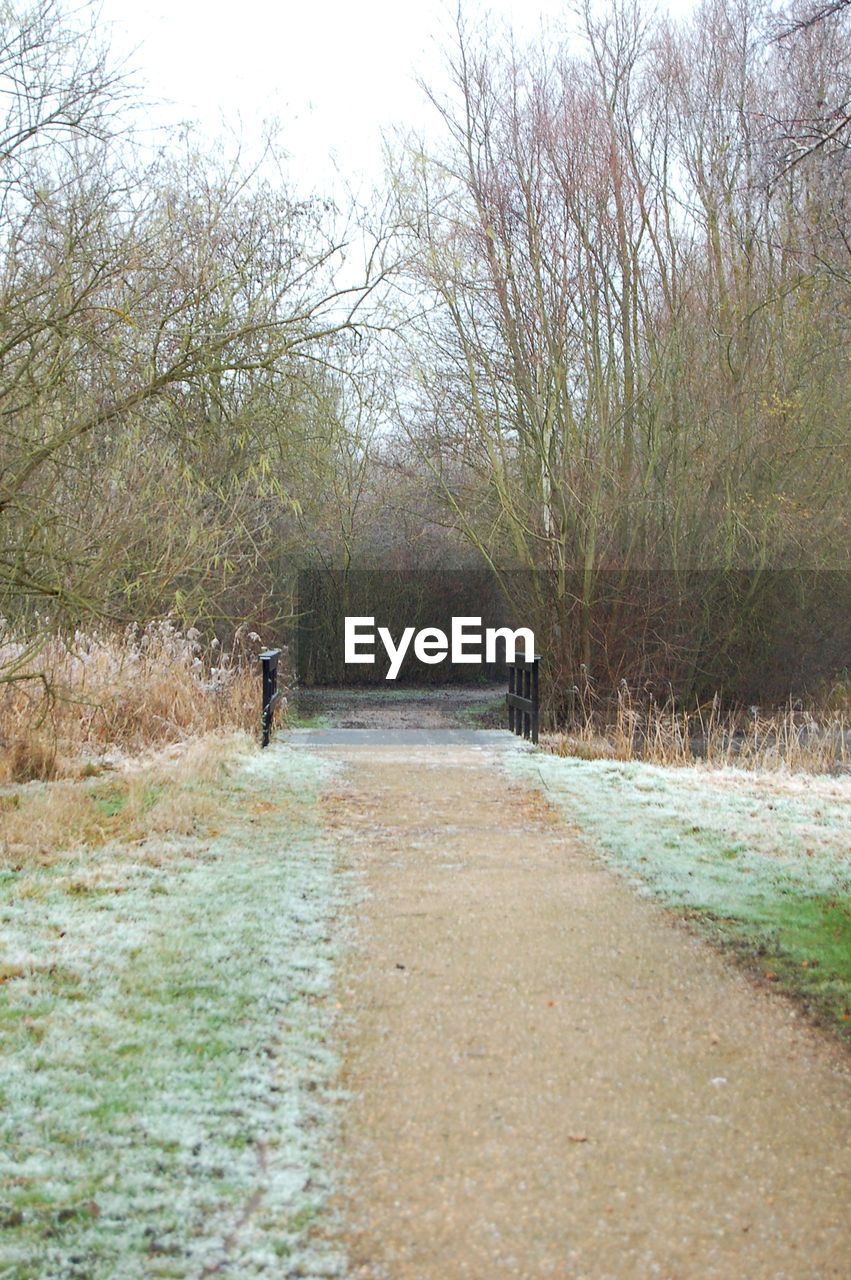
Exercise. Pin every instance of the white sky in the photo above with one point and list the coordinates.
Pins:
(334, 73)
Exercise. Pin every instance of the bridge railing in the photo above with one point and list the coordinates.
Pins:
(271, 696)
(523, 698)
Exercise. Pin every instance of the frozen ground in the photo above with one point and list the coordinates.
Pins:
(168, 1089)
(765, 858)
(166, 1082)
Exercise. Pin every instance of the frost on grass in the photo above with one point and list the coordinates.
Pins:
(766, 856)
(167, 1084)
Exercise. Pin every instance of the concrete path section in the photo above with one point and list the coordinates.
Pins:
(480, 739)
(548, 1077)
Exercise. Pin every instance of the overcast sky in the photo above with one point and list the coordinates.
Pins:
(335, 73)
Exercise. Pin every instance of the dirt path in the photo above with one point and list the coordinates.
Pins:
(379, 707)
(548, 1077)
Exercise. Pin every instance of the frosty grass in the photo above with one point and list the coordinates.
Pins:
(166, 1083)
(765, 858)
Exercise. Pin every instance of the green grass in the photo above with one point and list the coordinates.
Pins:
(112, 801)
(485, 715)
(761, 864)
(311, 720)
(389, 691)
(163, 1036)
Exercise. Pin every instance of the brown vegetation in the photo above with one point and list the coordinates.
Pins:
(81, 703)
(637, 727)
(171, 794)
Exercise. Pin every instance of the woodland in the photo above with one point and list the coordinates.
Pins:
(590, 336)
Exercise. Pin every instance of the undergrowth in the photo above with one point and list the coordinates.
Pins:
(635, 726)
(67, 704)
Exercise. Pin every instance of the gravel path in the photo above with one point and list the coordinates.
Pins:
(548, 1077)
(400, 708)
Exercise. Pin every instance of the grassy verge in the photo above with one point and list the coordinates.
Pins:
(163, 1016)
(490, 714)
(307, 720)
(762, 861)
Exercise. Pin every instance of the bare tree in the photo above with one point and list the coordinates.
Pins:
(618, 373)
(825, 124)
(166, 330)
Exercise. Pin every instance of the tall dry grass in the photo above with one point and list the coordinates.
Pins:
(629, 726)
(76, 702)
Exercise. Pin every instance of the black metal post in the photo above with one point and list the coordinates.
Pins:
(523, 698)
(269, 667)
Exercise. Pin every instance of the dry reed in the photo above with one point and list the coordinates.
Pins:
(631, 727)
(79, 702)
